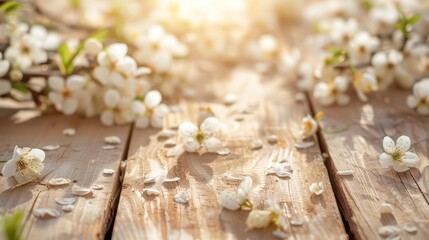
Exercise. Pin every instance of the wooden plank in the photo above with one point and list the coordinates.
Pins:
(80, 159)
(204, 176)
(358, 148)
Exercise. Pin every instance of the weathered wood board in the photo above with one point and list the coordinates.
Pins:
(80, 158)
(204, 175)
(359, 147)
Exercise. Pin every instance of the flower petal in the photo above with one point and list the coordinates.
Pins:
(385, 160)
(212, 144)
(389, 145)
(399, 167)
(38, 153)
(69, 106)
(191, 146)
(5, 87)
(102, 74)
(56, 83)
(229, 201)
(107, 118)
(9, 168)
(4, 67)
(111, 98)
(187, 130)
(210, 126)
(75, 82)
(403, 143)
(152, 99)
(411, 159)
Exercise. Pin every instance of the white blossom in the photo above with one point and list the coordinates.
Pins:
(26, 52)
(259, 219)
(419, 100)
(317, 188)
(398, 155)
(309, 126)
(25, 165)
(204, 136)
(64, 93)
(328, 93)
(365, 82)
(150, 111)
(385, 64)
(239, 199)
(361, 47)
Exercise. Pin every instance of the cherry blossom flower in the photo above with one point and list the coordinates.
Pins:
(361, 47)
(419, 100)
(365, 82)
(239, 199)
(342, 31)
(328, 93)
(150, 111)
(204, 136)
(64, 93)
(309, 126)
(117, 109)
(25, 52)
(398, 155)
(385, 64)
(25, 165)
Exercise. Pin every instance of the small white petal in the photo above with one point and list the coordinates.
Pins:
(212, 144)
(151, 192)
(188, 130)
(411, 159)
(389, 145)
(51, 147)
(9, 168)
(403, 143)
(75, 82)
(108, 147)
(386, 208)
(170, 180)
(345, 172)
(152, 99)
(272, 139)
(59, 181)
(113, 140)
(70, 106)
(46, 213)
(256, 144)
(210, 126)
(181, 197)
(97, 186)
(229, 201)
(191, 146)
(223, 151)
(304, 145)
(230, 99)
(65, 201)
(68, 208)
(389, 231)
(111, 98)
(317, 188)
(5, 87)
(410, 228)
(108, 171)
(386, 160)
(69, 131)
(81, 191)
(56, 83)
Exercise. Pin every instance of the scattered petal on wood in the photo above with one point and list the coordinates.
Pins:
(389, 231)
(256, 144)
(345, 172)
(80, 191)
(148, 180)
(108, 171)
(283, 173)
(65, 201)
(272, 139)
(170, 143)
(223, 151)
(51, 147)
(46, 213)
(410, 228)
(69, 131)
(386, 208)
(170, 180)
(235, 177)
(296, 222)
(97, 186)
(167, 133)
(304, 145)
(181, 197)
(68, 208)
(113, 140)
(151, 192)
(108, 147)
(59, 181)
(230, 99)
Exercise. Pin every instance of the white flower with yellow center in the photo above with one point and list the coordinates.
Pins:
(342, 31)
(385, 65)
(328, 93)
(150, 111)
(419, 100)
(25, 52)
(64, 93)
(364, 82)
(204, 136)
(309, 126)
(114, 65)
(397, 155)
(5, 85)
(361, 47)
(25, 165)
(117, 109)
(263, 218)
(239, 199)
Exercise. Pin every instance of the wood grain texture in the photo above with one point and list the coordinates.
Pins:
(80, 158)
(359, 147)
(204, 175)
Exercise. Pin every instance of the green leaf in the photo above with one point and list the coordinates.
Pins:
(413, 19)
(64, 52)
(20, 87)
(100, 35)
(12, 225)
(368, 4)
(75, 3)
(10, 7)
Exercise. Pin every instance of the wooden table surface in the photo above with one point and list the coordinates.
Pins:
(349, 206)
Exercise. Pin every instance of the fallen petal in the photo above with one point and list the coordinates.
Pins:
(345, 172)
(113, 140)
(256, 144)
(223, 151)
(69, 131)
(80, 191)
(181, 197)
(108, 171)
(65, 201)
(108, 147)
(68, 208)
(304, 145)
(410, 228)
(51, 147)
(170, 180)
(46, 213)
(59, 181)
(272, 139)
(97, 186)
(150, 192)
